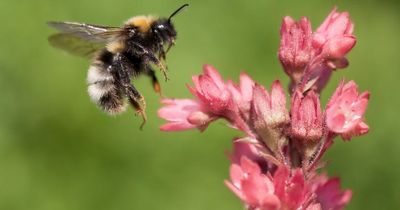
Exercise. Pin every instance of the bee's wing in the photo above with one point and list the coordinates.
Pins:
(83, 39)
(74, 45)
(88, 32)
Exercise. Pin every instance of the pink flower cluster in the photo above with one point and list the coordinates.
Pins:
(308, 56)
(263, 183)
(274, 165)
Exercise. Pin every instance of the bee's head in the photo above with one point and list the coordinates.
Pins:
(164, 27)
(165, 30)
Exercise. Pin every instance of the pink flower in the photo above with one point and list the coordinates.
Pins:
(314, 206)
(345, 111)
(255, 152)
(243, 148)
(239, 111)
(269, 110)
(211, 91)
(306, 123)
(220, 99)
(269, 115)
(183, 114)
(309, 57)
(214, 99)
(295, 50)
(252, 186)
(334, 38)
(330, 196)
(290, 187)
(242, 94)
(274, 164)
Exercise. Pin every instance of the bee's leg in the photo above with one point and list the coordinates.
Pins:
(137, 101)
(163, 68)
(162, 55)
(171, 43)
(152, 57)
(160, 46)
(152, 74)
(134, 97)
(162, 59)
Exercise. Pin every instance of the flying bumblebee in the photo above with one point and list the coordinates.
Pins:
(119, 54)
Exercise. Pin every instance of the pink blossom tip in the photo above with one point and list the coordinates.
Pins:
(183, 114)
(335, 35)
(295, 50)
(211, 90)
(306, 116)
(330, 196)
(345, 111)
(269, 109)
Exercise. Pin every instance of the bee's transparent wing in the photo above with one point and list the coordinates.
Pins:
(83, 39)
(88, 32)
(74, 45)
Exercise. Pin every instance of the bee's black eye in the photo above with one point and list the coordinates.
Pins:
(165, 30)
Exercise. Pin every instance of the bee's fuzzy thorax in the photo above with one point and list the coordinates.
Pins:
(143, 23)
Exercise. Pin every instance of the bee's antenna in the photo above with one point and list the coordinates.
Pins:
(177, 11)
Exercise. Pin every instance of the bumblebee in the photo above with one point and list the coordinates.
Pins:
(118, 55)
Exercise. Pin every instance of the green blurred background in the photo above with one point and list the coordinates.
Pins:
(59, 152)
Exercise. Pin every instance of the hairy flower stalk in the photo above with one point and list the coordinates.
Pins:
(273, 166)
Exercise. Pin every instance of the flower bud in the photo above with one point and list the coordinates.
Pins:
(269, 109)
(295, 49)
(269, 114)
(337, 48)
(334, 37)
(211, 91)
(306, 116)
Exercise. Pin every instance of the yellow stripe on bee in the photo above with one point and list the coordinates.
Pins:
(116, 46)
(142, 22)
